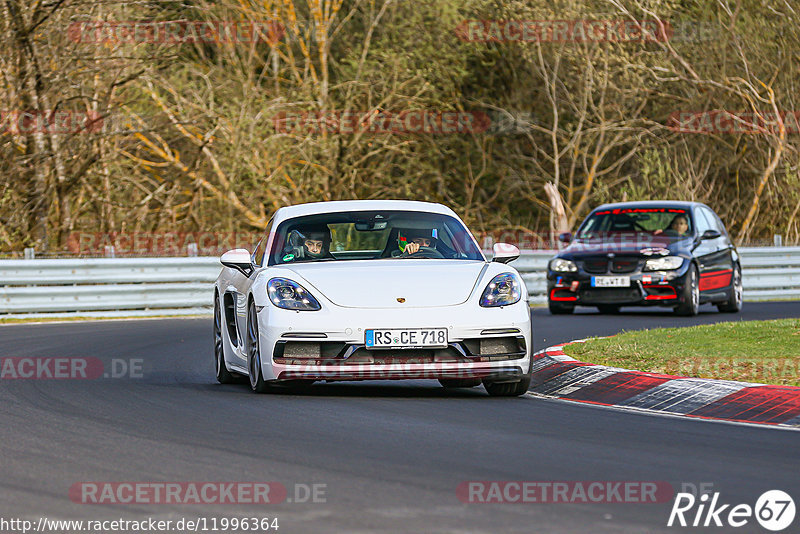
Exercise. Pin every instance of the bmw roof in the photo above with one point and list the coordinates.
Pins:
(651, 204)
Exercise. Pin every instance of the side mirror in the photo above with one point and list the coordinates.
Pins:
(710, 234)
(505, 253)
(566, 237)
(238, 259)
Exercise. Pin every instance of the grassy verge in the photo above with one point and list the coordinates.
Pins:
(750, 351)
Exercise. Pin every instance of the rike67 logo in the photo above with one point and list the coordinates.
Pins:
(774, 510)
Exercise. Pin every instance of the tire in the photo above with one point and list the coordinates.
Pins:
(560, 309)
(460, 382)
(734, 302)
(608, 309)
(512, 389)
(223, 375)
(257, 383)
(690, 296)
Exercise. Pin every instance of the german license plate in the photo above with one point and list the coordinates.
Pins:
(407, 338)
(611, 281)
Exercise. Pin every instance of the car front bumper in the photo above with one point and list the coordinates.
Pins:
(654, 288)
(329, 344)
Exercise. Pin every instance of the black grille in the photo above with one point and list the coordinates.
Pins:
(362, 354)
(595, 266)
(309, 349)
(495, 345)
(610, 294)
(624, 265)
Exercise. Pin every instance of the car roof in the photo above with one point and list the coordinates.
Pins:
(313, 208)
(652, 204)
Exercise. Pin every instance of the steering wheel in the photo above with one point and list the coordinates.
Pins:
(426, 252)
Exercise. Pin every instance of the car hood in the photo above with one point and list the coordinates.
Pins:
(381, 283)
(579, 249)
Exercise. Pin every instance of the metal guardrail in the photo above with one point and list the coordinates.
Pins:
(768, 273)
(107, 287)
(182, 286)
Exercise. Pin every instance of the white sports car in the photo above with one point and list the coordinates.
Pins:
(368, 290)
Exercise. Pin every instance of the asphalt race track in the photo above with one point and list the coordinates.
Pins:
(390, 455)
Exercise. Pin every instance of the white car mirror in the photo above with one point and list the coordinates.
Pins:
(238, 259)
(505, 253)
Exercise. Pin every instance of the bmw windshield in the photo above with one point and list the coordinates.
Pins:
(644, 222)
(372, 235)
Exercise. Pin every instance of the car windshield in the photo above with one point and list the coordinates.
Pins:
(368, 235)
(673, 223)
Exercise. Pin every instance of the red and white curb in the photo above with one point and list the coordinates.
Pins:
(556, 375)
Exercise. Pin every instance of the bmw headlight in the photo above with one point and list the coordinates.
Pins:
(290, 295)
(560, 265)
(667, 263)
(503, 290)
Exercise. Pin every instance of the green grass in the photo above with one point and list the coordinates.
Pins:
(750, 351)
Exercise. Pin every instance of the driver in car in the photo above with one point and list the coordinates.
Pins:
(679, 227)
(308, 244)
(409, 241)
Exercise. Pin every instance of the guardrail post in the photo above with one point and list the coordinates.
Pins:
(30, 253)
(777, 240)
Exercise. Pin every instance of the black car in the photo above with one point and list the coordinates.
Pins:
(674, 254)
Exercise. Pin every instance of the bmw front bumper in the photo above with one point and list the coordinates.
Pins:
(648, 288)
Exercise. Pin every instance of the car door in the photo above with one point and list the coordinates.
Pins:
(713, 254)
(242, 285)
(729, 256)
(236, 300)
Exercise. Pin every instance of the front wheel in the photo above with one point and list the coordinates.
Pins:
(734, 302)
(223, 375)
(257, 382)
(512, 389)
(690, 296)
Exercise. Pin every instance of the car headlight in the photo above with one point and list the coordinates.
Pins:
(561, 265)
(503, 290)
(667, 263)
(290, 295)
